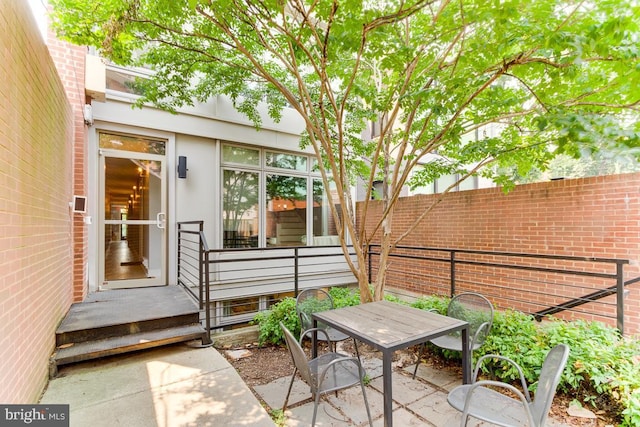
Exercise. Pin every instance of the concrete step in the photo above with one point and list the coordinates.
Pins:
(78, 352)
(121, 321)
(103, 331)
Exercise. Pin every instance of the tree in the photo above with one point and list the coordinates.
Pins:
(552, 76)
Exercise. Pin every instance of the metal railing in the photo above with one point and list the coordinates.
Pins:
(232, 285)
(537, 284)
(192, 250)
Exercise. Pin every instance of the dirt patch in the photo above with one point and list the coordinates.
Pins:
(262, 365)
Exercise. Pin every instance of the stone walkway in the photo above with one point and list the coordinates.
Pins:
(419, 402)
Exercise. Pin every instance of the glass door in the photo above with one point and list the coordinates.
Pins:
(133, 221)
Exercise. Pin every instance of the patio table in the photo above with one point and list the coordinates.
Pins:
(387, 327)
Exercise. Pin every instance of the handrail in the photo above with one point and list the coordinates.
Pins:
(227, 278)
(537, 264)
(632, 281)
(238, 274)
(203, 248)
(207, 289)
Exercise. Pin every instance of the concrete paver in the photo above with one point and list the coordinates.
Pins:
(419, 402)
(183, 386)
(171, 386)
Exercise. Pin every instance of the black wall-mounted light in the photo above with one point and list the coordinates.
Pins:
(182, 166)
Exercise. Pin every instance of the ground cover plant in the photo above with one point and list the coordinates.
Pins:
(603, 369)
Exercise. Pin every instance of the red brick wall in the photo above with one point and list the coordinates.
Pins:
(70, 63)
(589, 217)
(35, 190)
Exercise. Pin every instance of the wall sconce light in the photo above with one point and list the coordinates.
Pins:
(182, 166)
(79, 204)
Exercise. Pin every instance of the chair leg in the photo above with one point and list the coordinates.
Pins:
(464, 420)
(366, 404)
(316, 402)
(419, 360)
(355, 344)
(286, 399)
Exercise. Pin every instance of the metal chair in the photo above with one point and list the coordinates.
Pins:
(312, 301)
(478, 401)
(326, 373)
(477, 311)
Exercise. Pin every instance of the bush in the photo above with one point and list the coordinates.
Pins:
(432, 302)
(344, 297)
(268, 322)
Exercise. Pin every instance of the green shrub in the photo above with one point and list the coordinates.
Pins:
(344, 297)
(432, 302)
(623, 383)
(268, 322)
(514, 335)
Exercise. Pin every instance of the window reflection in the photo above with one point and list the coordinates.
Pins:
(286, 161)
(325, 232)
(263, 207)
(286, 210)
(240, 155)
(122, 81)
(132, 143)
(240, 209)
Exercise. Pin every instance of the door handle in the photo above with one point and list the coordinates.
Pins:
(160, 218)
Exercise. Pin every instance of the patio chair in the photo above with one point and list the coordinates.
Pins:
(473, 308)
(326, 373)
(479, 401)
(312, 301)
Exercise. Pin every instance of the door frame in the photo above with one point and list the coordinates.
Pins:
(93, 182)
(160, 221)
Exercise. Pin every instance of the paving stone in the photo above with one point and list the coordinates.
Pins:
(350, 401)
(402, 418)
(405, 390)
(274, 393)
(327, 416)
(238, 354)
(435, 408)
(419, 402)
(437, 377)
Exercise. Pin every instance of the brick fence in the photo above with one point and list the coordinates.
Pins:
(36, 137)
(70, 63)
(588, 217)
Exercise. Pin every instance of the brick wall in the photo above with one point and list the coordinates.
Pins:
(70, 63)
(589, 217)
(35, 190)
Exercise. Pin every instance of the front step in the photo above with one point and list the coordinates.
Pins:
(123, 344)
(120, 321)
(100, 332)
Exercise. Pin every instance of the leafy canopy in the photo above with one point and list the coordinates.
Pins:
(453, 86)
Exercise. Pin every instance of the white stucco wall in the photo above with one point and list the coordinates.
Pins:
(195, 133)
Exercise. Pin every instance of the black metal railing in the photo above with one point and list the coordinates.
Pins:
(232, 285)
(192, 250)
(542, 284)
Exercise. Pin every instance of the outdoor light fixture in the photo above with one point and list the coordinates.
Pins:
(79, 204)
(182, 166)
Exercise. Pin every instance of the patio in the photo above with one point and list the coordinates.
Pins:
(184, 386)
(419, 402)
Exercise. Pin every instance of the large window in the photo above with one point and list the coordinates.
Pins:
(271, 198)
(324, 227)
(240, 209)
(286, 218)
